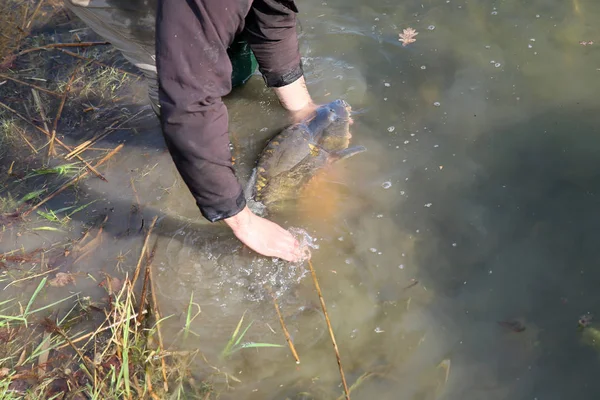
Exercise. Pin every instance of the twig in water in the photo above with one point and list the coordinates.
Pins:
(22, 134)
(61, 45)
(143, 252)
(51, 150)
(337, 353)
(41, 89)
(145, 285)
(285, 331)
(73, 181)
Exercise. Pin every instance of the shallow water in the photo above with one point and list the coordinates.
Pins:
(476, 203)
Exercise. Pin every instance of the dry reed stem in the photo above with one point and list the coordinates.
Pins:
(31, 277)
(73, 181)
(143, 252)
(45, 132)
(51, 151)
(335, 347)
(41, 89)
(285, 331)
(83, 146)
(160, 339)
(61, 45)
(26, 27)
(38, 103)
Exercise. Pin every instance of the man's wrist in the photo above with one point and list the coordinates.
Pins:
(295, 96)
(239, 220)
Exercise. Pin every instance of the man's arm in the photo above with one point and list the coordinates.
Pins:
(194, 73)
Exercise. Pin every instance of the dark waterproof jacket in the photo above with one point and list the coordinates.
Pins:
(194, 73)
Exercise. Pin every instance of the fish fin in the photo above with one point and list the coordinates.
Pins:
(349, 152)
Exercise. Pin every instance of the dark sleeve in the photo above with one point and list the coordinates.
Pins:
(194, 73)
(271, 33)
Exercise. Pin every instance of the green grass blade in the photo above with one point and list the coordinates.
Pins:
(243, 333)
(53, 304)
(252, 344)
(8, 317)
(35, 294)
(227, 349)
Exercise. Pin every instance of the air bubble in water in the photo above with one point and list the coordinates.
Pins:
(386, 185)
(431, 27)
(423, 67)
(437, 104)
(391, 129)
(494, 12)
(497, 65)
(386, 84)
(373, 250)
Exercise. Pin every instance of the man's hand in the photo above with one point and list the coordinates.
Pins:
(264, 237)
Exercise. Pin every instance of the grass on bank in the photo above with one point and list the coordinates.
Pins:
(47, 355)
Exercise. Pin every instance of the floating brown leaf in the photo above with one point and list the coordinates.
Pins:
(62, 279)
(408, 36)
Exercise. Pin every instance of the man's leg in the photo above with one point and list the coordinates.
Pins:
(129, 25)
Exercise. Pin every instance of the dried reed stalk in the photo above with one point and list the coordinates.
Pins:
(160, 339)
(337, 353)
(145, 285)
(285, 331)
(41, 89)
(61, 45)
(88, 143)
(143, 252)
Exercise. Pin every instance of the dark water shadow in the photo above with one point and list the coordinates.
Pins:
(519, 242)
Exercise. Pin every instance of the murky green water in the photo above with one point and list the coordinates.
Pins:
(476, 203)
